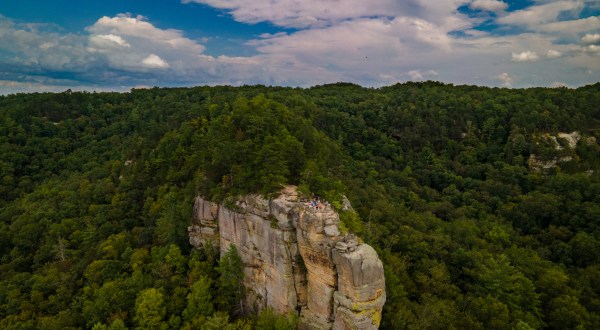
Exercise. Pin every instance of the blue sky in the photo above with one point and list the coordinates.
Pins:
(119, 44)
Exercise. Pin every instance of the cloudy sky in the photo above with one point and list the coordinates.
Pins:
(53, 45)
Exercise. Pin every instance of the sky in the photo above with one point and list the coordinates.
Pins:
(116, 45)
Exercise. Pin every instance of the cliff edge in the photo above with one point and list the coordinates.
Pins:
(295, 259)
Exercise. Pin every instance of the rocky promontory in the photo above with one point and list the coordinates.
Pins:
(296, 259)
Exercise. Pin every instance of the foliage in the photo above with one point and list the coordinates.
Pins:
(96, 193)
(231, 290)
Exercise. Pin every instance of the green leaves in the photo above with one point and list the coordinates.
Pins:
(231, 290)
(497, 278)
(199, 300)
(150, 310)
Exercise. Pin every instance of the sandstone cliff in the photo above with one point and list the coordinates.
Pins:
(295, 259)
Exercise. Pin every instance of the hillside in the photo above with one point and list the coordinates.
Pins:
(483, 211)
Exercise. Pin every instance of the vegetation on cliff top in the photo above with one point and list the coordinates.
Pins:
(96, 194)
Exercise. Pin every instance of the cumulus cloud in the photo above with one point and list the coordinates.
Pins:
(539, 14)
(526, 56)
(367, 42)
(155, 62)
(553, 53)
(294, 13)
(375, 41)
(111, 47)
(133, 43)
(572, 27)
(34, 47)
(558, 84)
(319, 13)
(416, 75)
(560, 19)
(505, 79)
(355, 40)
(139, 28)
(593, 48)
(591, 38)
(104, 40)
(488, 5)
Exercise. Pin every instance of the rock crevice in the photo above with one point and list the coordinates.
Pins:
(295, 259)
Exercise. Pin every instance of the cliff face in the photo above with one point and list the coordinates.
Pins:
(296, 260)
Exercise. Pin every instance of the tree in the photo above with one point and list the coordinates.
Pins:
(269, 320)
(231, 289)
(150, 310)
(199, 300)
(497, 278)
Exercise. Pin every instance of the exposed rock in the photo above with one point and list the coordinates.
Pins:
(571, 138)
(295, 259)
(360, 288)
(346, 206)
(204, 228)
(539, 164)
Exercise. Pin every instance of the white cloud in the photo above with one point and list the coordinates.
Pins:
(368, 42)
(544, 13)
(295, 13)
(420, 75)
(558, 84)
(488, 5)
(558, 18)
(553, 53)
(593, 48)
(29, 47)
(359, 50)
(360, 40)
(526, 56)
(126, 41)
(572, 27)
(415, 75)
(591, 38)
(320, 13)
(139, 27)
(505, 79)
(102, 38)
(48, 45)
(155, 62)
(346, 41)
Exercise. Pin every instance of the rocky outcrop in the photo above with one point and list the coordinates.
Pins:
(295, 259)
(564, 145)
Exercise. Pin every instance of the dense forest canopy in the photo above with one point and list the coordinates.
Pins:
(483, 214)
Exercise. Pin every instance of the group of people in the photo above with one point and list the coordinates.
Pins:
(315, 202)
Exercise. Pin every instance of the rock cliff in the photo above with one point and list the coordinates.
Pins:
(295, 259)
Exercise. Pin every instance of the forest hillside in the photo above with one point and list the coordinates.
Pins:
(483, 204)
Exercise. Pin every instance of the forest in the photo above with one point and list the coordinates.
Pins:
(484, 214)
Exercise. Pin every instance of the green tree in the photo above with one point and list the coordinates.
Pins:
(231, 289)
(199, 300)
(150, 310)
(269, 320)
(496, 277)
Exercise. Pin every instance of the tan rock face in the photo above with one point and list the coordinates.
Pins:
(296, 260)
(205, 227)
